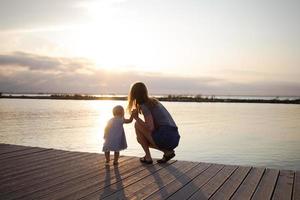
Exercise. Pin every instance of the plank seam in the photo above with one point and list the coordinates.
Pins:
(2, 153)
(170, 182)
(45, 178)
(189, 181)
(162, 176)
(136, 180)
(14, 175)
(31, 162)
(294, 175)
(241, 183)
(223, 182)
(206, 182)
(110, 185)
(275, 185)
(80, 176)
(57, 184)
(258, 183)
(24, 154)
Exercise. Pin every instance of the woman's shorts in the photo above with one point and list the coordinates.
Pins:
(166, 137)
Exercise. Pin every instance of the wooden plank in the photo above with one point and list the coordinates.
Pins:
(175, 185)
(296, 189)
(267, 184)
(11, 149)
(207, 190)
(12, 173)
(284, 187)
(73, 166)
(38, 173)
(100, 180)
(4, 145)
(20, 153)
(247, 188)
(117, 182)
(30, 159)
(109, 176)
(119, 188)
(231, 185)
(38, 168)
(173, 173)
(186, 191)
(20, 182)
(55, 185)
(140, 188)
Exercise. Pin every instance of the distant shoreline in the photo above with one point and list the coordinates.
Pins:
(170, 98)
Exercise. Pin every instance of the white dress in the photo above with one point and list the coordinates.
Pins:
(115, 139)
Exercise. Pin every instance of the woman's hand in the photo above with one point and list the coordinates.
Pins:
(135, 113)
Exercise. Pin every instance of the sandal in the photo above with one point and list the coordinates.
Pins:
(115, 163)
(166, 158)
(143, 160)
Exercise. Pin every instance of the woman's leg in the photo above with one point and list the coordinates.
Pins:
(145, 139)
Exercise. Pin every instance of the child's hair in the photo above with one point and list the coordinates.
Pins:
(118, 110)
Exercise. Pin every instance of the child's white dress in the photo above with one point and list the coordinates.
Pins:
(115, 140)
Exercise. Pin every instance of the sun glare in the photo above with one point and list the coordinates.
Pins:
(113, 41)
(104, 109)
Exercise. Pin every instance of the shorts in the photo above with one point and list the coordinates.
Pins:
(166, 137)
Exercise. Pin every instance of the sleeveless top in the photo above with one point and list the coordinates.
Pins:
(160, 115)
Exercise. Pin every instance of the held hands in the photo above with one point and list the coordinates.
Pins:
(135, 114)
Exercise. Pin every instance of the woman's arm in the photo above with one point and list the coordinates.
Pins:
(148, 124)
(126, 121)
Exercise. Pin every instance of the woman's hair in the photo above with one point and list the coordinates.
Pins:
(138, 95)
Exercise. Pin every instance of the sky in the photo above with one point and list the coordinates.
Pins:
(209, 47)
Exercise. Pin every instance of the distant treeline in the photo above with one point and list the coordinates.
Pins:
(173, 98)
(199, 98)
(85, 97)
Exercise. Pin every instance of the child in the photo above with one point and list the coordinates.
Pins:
(114, 134)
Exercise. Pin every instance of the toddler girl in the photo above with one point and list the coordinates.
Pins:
(114, 134)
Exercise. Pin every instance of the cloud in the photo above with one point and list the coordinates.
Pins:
(44, 63)
(25, 72)
(16, 14)
(45, 15)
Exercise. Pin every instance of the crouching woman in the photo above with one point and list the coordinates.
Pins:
(158, 129)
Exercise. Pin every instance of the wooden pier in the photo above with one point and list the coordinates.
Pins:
(39, 173)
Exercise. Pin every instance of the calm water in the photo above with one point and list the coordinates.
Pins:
(245, 134)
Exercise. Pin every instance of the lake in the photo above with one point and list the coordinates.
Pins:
(228, 133)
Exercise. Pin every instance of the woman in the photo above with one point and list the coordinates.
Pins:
(158, 129)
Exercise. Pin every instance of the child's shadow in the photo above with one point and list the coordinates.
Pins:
(118, 185)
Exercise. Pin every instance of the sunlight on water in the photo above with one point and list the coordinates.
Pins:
(245, 134)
